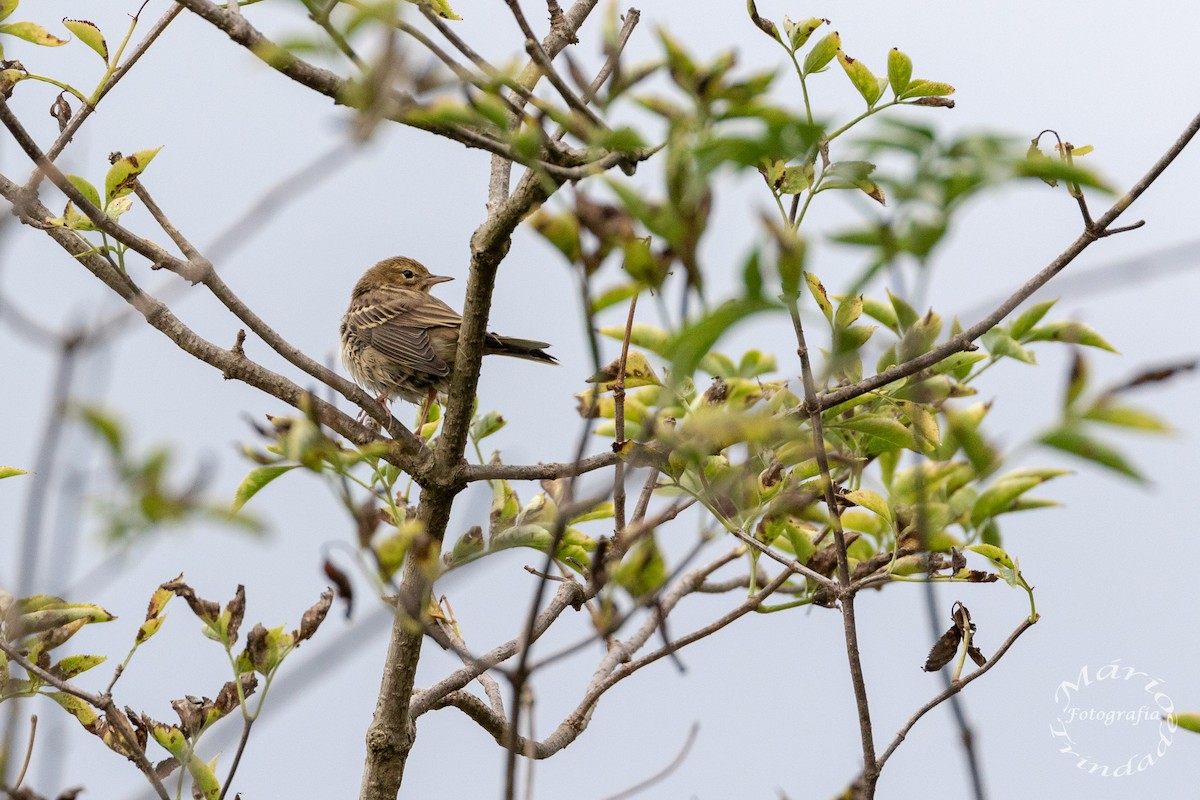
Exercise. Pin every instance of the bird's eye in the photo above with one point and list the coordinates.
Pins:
(408, 273)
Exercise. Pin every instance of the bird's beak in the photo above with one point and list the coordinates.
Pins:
(436, 279)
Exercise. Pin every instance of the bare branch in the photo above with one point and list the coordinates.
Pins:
(231, 365)
(955, 688)
(844, 593)
(612, 670)
(198, 269)
(543, 61)
(537, 472)
(657, 777)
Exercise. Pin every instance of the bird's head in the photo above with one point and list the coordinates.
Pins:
(401, 273)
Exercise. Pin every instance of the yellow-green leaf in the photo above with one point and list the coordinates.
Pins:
(439, 7)
(1188, 720)
(817, 289)
(122, 174)
(861, 76)
(822, 53)
(923, 88)
(256, 480)
(871, 501)
(32, 32)
(89, 34)
(86, 189)
(899, 70)
(9, 472)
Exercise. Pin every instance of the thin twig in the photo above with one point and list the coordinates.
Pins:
(619, 435)
(78, 118)
(28, 756)
(845, 593)
(539, 56)
(964, 340)
(955, 688)
(663, 773)
(102, 703)
(247, 723)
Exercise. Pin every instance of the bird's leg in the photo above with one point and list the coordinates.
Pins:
(426, 407)
(365, 419)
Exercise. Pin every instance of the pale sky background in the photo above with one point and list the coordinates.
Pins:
(1113, 568)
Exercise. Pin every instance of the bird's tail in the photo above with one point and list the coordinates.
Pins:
(519, 348)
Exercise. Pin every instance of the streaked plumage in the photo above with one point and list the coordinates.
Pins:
(400, 341)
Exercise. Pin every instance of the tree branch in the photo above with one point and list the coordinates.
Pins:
(964, 341)
(102, 703)
(954, 688)
(537, 472)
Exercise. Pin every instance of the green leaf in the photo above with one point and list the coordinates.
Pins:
(817, 290)
(1188, 720)
(86, 189)
(7, 7)
(923, 88)
(1030, 317)
(887, 433)
(71, 666)
(824, 51)
(256, 480)
(9, 472)
(881, 311)
(32, 32)
(486, 425)
(799, 32)
(994, 554)
(1003, 493)
(848, 311)
(637, 372)
(643, 335)
(439, 7)
(796, 179)
(999, 343)
(125, 171)
(76, 707)
(863, 79)
(899, 67)
(1052, 170)
(89, 34)
(204, 779)
(642, 570)
(692, 343)
(906, 316)
(614, 295)
(1072, 332)
(1071, 440)
(1126, 417)
(871, 501)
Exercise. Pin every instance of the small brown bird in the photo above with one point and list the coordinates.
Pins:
(400, 341)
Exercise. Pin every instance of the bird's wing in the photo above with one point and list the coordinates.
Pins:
(396, 323)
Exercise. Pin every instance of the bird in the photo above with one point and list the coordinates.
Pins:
(400, 341)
